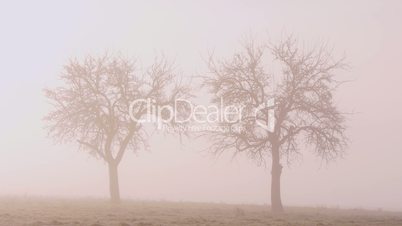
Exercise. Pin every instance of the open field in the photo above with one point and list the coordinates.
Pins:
(37, 212)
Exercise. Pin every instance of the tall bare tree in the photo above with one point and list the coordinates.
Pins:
(93, 106)
(305, 112)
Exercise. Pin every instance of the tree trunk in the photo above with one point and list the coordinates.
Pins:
(276, 202)
(114, 182)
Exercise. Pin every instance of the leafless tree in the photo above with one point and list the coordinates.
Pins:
(305, 112)
(92, 107)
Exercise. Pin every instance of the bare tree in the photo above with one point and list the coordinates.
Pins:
(93, 106)
(304, 109)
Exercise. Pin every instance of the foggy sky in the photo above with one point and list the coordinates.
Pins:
(38, 38)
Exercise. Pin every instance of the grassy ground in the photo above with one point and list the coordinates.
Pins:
(100, 213)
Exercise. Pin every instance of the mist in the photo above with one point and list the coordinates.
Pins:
(39, 38)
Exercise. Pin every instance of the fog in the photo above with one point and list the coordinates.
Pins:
(38, 38)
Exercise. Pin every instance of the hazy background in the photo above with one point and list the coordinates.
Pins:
(37, 38)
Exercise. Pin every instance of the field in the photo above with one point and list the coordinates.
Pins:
(37, 212)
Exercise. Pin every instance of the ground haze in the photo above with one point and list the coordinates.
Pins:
(38, 212)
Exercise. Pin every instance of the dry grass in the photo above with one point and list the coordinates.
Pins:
(37, 212)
